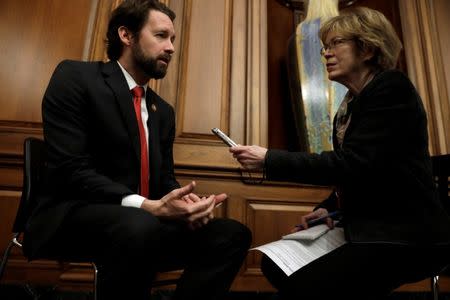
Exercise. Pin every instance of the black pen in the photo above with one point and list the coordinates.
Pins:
(319, 220)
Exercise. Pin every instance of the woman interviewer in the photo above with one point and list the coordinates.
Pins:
(395, 227)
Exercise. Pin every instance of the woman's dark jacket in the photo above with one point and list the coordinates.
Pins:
(382, 169)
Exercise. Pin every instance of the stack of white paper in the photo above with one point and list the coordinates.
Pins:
(292, 254)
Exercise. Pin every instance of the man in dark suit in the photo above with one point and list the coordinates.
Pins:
(104, 166)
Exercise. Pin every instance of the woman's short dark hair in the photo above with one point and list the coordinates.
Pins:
(133, 15)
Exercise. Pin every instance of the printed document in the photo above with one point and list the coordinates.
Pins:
(292, 254)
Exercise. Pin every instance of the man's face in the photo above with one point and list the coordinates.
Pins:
(153, 48)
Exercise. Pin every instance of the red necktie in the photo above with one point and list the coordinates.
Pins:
(138, 92)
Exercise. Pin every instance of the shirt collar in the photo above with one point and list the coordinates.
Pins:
(130, 81)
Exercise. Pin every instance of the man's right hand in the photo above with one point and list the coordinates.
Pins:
(173, 205)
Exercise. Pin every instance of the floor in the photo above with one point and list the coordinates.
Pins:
(43, 293)
(10, 292)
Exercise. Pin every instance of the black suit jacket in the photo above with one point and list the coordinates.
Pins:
(383, 168)
(92, 135)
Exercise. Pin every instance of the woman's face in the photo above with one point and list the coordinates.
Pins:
(344, 61)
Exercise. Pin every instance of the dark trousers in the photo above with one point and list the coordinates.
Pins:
(130, 245)
(356, 271)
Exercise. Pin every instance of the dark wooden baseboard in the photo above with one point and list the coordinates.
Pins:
(79, 277)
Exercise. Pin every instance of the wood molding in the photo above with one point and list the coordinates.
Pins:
(257, 114)
(226, 68)
(182, 66)
(198, 155)
(79, 277)
(248, 83)
(168, 86)
(239, 65)
(426, 69)
(243, 83)
(203, 92)
(12, 135)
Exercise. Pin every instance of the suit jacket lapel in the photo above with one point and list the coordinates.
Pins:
(116, 81)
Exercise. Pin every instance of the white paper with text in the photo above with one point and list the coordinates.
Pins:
(291, 255)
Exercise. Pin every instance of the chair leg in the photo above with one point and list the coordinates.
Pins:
(435, 287)
(5, 258)
(28, 289)
(95, 280)
(31, 292)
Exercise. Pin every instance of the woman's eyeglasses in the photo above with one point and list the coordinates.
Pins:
(336, 42)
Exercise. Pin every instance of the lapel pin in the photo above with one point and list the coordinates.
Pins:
(154, 107)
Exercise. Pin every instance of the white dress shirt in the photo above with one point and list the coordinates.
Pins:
(136, 200)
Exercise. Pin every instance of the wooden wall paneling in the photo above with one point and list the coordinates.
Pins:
(36, 35)
(168, 87)
(269, 219)
(10, 174)
(269, 210)
(238, 80)
(204, 83)
(240, 95)
(12, 135)
(197, 83)
(222, 79)
(257, 107)
(9, 204)
(39, 272)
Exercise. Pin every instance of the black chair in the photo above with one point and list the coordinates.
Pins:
(34, 165)
(441, 173)
(33, 168)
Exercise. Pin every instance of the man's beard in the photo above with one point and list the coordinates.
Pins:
(149, 65)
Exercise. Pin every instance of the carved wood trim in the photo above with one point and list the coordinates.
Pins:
(257, 114)
(226, 67)
(225, 75)
(243, 102)
(239, 65)
(12, 135)
(182, 67)
(168, 86)
(79, 277)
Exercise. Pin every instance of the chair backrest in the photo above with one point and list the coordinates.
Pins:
(441, 173)
(34, 164)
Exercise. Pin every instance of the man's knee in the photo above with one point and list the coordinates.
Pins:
(228, 230)
(139, 230)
